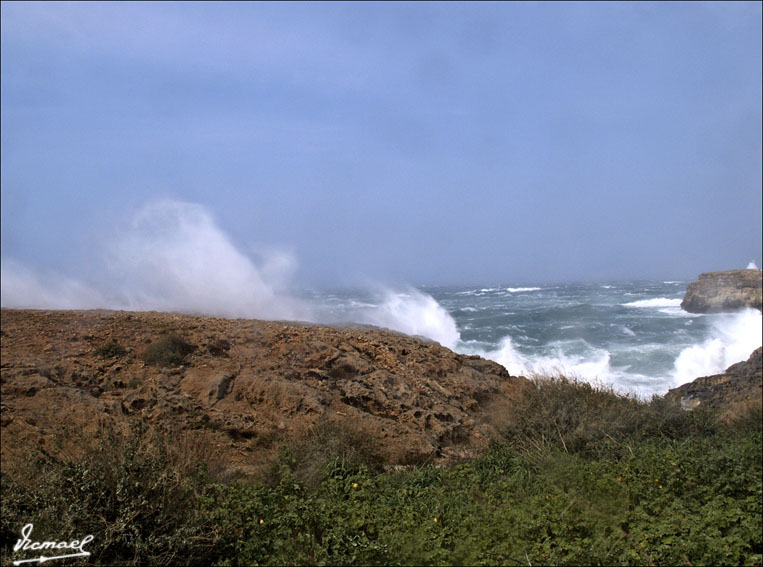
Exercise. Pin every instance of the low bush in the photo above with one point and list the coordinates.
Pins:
(579, 417)
(110, 349)
(589, 478)
(335, 443)
(138, 495)
(169, 350)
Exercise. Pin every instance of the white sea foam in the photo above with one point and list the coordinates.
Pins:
(593, 365)
(656, 302)
(521, 289)
(414, 313)
(752, 265)
(732, 338)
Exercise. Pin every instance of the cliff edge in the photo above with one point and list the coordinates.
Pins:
(714, 292)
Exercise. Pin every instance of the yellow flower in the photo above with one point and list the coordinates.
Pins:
(261, 522)
(355, 485)
(435, 520)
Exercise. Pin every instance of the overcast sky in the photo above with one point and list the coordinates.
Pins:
(421, 143)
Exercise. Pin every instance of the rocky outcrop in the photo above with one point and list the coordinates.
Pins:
(247, 385)
(724, 291)
(740, 385)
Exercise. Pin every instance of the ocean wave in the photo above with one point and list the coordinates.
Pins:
(656, 302)
(521, 289)
(413, 313)
(591, 365)
(733, 337)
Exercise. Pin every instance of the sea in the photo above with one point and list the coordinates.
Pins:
(631, 336)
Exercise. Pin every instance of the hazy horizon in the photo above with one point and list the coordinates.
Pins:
(267, 147)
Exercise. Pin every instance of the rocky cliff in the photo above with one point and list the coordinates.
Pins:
(246, 385)
(740, 385)
(724, 291)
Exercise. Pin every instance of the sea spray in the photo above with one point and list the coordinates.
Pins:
(632, 336)
(174, 257)
(22, 287)
(592, 365)
(414, 313)
(732, 339)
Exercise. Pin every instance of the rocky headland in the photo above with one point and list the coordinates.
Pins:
(715, 292)
(243, 385)
(740, 386)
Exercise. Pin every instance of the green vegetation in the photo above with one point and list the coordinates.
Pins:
(169, 350)
(583, 476)
(110, 349)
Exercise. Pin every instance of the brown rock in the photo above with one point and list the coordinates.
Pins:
(739, 386)
(250, 385)
(724, 291)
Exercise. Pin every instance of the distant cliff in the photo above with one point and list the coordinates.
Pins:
(724, 291)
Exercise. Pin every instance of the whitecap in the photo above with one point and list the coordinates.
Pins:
(521, 289)
(413, 313)
(733, 337)
(655, 302)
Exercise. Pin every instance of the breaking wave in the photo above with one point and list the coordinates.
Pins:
(413, 313)
(656, 302)
(174, 257)
(733, 337)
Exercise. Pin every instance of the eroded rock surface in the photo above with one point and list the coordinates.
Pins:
(248, 385)
(740, 385)
(724, 291)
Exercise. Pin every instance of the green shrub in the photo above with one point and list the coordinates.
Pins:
(169, 350)
(137, 495)
(570, 486)
(579, 417)
(111, 349)
(329, 442)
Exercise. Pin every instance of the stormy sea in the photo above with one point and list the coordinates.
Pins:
(630, 335)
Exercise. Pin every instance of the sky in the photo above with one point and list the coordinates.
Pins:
(325, 144)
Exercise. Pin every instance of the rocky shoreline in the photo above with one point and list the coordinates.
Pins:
(245, 386)
(739, 386)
